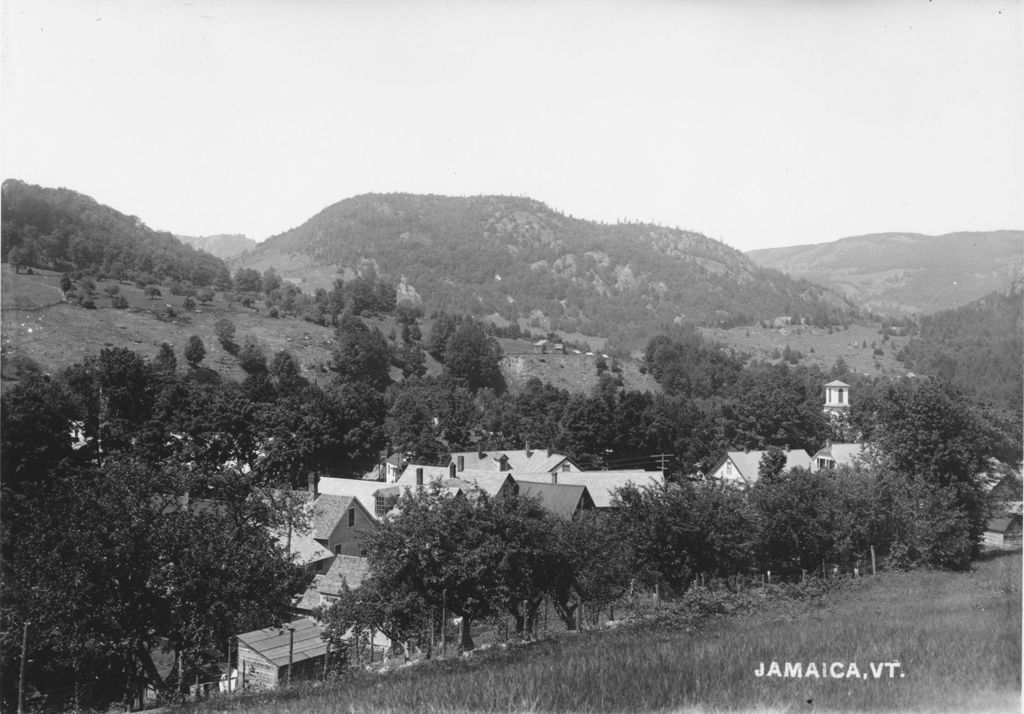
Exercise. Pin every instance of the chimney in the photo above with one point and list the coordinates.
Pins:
(451, 470)
(549, 450)
(480, 451)
(786, 448)
(528, 453)
(554, 477)
(746, 449)
(311, 481)
(503, 463)
(461, 463)
(419, 475)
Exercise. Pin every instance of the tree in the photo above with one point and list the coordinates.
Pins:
(926, 429)
(65, 282)
(205, 296)
(153, 292)
(248, 280)
(772, 463)
(189, 303)
(285, 369)
(141, 570)
(195, 351)
(361, 355)
(437, 546)
(224, 329)
(251, 359)
(472, 358)
(165, 360)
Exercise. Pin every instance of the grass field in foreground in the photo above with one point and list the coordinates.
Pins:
(956, 636)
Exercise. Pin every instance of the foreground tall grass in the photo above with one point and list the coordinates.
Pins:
(956, 636)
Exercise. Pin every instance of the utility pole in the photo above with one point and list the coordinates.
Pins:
(21, 673)
(291, 650)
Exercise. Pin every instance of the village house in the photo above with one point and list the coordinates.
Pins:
(338, 522)
(363, 491)
(740, 467)
(833, 455)
(517, 460)
(601, 485)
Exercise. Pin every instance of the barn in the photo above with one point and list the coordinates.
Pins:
(1004, 532)
(266, 656)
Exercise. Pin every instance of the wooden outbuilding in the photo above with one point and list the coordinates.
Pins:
(1004, 532)
(274, 656)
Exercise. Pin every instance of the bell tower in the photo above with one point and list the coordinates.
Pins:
(837, 398)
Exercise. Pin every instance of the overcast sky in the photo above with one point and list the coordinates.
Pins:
(759, 123)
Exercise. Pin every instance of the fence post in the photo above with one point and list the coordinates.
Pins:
(769, 577)
(291, 651)
(873, 561)
(803, 576)
(21, 672)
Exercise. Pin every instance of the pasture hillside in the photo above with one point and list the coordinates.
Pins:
(953, 640)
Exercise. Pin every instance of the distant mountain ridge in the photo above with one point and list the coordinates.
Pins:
(906, 274)
(223, 245)
(518, 258)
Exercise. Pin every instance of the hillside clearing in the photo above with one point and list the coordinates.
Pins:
(955, 636)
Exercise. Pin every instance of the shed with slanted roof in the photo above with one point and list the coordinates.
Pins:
(266, 656)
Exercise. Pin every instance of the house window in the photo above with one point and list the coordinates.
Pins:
(728, 468)
(565, 467)
(840, 396)
(351, 517)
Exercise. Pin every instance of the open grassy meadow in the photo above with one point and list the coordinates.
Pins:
(956, 638)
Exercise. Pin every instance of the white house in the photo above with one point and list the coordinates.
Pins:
(837, 455)
(740, 467)
(525, 460)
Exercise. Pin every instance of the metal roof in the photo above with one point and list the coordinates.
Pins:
(273, 642)
(559, 498)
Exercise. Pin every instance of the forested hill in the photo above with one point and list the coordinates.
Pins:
(63, 230)
(906, 274)
(518, 258)
(979, 345)
(222, 245)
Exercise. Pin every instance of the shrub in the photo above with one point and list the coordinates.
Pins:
(120, 302)
(189, 303)
(88, 303)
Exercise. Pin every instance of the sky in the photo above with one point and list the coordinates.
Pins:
(759, 123)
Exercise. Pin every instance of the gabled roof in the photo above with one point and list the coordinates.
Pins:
(303, 547)
(837, 383)
(362, 491)
(746, 462)
(600, 484)
(273, 643)
(490, 482)
(1001, 524)
(533, 461)
(328, 511)
(347, 569)
(561, 499)
(842, 454)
